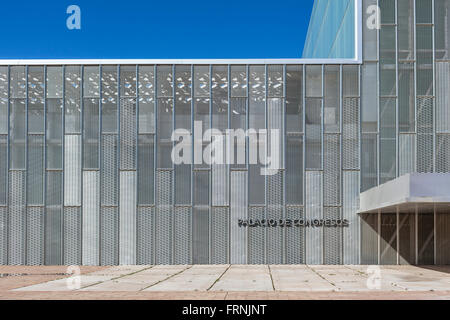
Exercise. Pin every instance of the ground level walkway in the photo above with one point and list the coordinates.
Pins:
(232, 282)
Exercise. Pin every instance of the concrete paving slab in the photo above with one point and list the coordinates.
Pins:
(297, 278)
(62, 284)
(245, 278)
(118, 271)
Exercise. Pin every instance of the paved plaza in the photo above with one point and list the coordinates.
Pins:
(226, 282)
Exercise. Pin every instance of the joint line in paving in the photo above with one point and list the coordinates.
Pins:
(171, 276)
(220, 277)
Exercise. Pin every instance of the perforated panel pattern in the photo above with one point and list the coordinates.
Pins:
(443, 153)
(332, 246)
(109, 240)
(109, 173)
(350, 133)
(16, 217)
(182, 236)
(35, 235)
(295, 237)
(219, 235)
(145, 235)
(256, 237)
(275, 212)
(332, 170)
(128, 134)
(72, 236)
(163, 241)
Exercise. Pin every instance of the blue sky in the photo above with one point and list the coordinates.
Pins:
(155, 29)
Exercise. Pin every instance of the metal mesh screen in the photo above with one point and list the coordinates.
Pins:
(350, 133)
(35, 172)
(3, 235)
(200, 235)
(332, 238)
(109, 238)
(109, 172)
(182, 235)
(72, 236)
(35, 236)
(16, 217)
(443, 153)
(219, 235)
(256, 237)
(163, 224)
(275, 212)
(332, 170)
(128, 134)
(295, 237)
(145, 235)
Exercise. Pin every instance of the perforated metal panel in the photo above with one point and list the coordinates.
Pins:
(109, 172)
(3, 235)
(256, 237)
(369, 161)
(16, 218)
(145, 171)
(127, 220)
(332, 237)
(350, 206)
(53, 218)
(35, 236)
(219, 235)
(145, 235)
(275, 121)
(91, 218)
(163, 224)
(219, 192)
(72, 170)
(443, 153)
(274, 211)
(314, 203)
(295, 237)
(35, 170)
(407, 152)
(332, 170)
(239, 203)
(72, 235)
(200, 235)
(182, 235)
(350, 133)
(442, 96)
(128, 134)
(109, 236)
(3, 169)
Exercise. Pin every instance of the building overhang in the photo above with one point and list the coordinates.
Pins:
(421, 191)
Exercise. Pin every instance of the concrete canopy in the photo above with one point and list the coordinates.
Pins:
(423, 190)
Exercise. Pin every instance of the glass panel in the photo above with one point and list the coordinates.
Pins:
(313, 133)
(388, 149)
(332, 99)
(294, 99)
(17, 135)
(388, 246)
(369, 98)
(220, 97)
(442, 30)
(54, 82)
(201, 81)
(183, 101)
(406, 29)
(109, 99)
(146, 99)
(164, 81)
(165, 127)
(424, 60)
(91, 134)
(387, 61)
(91, 82)
(54, 133)
(426, 238)
(127, 81)
(238, 81)
(275, 79)
(294, 169)
(406, 97)
(313, 81)
(387, 11)
(18, 82)
(350, 81)
(73, 99)
(424, 11)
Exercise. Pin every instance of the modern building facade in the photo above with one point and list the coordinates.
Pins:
(87, 174)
